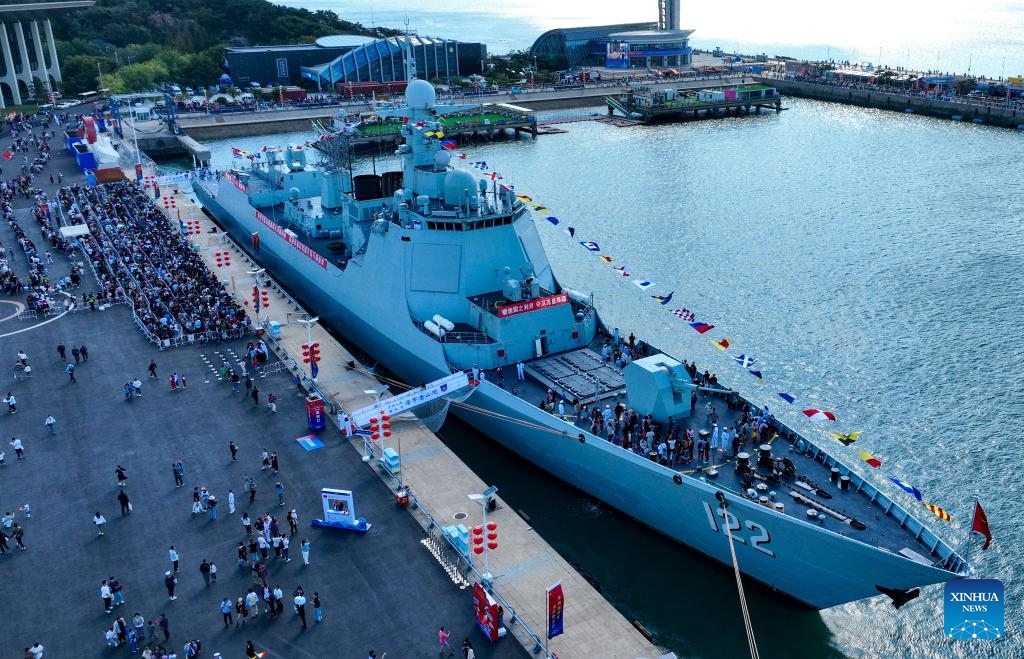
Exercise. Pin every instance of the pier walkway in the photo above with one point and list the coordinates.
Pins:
(523, 566)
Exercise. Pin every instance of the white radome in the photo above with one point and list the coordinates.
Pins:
(420, 95)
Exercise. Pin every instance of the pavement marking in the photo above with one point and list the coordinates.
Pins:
(18, 308)
(37, 325)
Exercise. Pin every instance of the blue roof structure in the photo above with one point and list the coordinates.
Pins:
(382, 60)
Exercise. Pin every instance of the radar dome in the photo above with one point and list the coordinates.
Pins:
(459, 188)
(441, 160)
(420, 95)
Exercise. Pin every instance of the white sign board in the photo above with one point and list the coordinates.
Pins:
(413, 398)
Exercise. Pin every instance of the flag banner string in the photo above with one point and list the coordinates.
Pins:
(745, 361)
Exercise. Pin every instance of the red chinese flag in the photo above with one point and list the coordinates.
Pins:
(980, 525)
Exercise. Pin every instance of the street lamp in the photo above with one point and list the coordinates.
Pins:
(255, 281)
(314, 370)
(367, 441)
(485, 499)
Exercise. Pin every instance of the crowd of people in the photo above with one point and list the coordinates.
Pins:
(138, 252)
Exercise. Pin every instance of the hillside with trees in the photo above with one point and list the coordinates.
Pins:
(137, 44)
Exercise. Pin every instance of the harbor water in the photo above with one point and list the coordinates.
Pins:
(869, 260)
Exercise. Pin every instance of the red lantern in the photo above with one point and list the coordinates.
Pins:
(387, 433)
(492, 536)
(478, 540)
(492, 526)
(478, 549)
(375, 436)
(492, 545)
(386, 424)
(373, 419)
(478, 530)
(374, 427)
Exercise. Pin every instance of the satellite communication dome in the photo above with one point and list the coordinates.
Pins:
(459, 188)
(420, 95)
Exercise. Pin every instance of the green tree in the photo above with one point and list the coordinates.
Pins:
(79, 73)
(138, 76)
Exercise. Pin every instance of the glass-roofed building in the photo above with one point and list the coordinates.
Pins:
(382, 60)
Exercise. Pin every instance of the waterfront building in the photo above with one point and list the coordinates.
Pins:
(383, 60)
(623, 46)
(22, 49)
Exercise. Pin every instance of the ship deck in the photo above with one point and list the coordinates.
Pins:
(584, 374)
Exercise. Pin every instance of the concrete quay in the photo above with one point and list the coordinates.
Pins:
(524, 564)
(990, 115)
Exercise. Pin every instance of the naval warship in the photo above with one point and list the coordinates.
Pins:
(432, 268)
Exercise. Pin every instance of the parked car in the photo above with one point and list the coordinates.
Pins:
(255, 85)
(66, 104)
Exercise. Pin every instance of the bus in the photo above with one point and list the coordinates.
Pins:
(86, 97)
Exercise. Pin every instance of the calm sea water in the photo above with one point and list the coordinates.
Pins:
(871, 261)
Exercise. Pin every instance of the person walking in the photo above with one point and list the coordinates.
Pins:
(62, 352)
(139, 625)
(121, 475)
(234, 450)
(252, 490)
(231, 502)
(264, 457)
(169, 583)
(100, 521)
(126, 504)
(293, 521)
(204, 569)
(279, 489)
(152, 370)
(213, 572)
(247, 523)
(76, 354)
(318, 613)
(12, 406)
(285, 541)
(273, 462)
(211, 505)
(117, 590)
(51, 424)
(178, 467)
(227, 609)
(304, 550)
(300, 606)
(3, 543)
(255, 397)
(250, 650)
(107, 596)
(82, 350)
(164, 625)
(70, 370)
(173, 555)
(442, 639)
(19, 448)
(18, 534)
(241, 612)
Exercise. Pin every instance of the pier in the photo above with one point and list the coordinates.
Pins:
(522, 567)
(957, 109)
(651, 104)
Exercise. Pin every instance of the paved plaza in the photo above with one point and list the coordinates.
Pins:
(380, 591)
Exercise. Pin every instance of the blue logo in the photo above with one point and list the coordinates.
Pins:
(974, 609)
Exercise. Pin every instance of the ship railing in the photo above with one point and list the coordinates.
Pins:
(455, 337)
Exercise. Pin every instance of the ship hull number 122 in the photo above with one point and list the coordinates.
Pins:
(758, 537)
